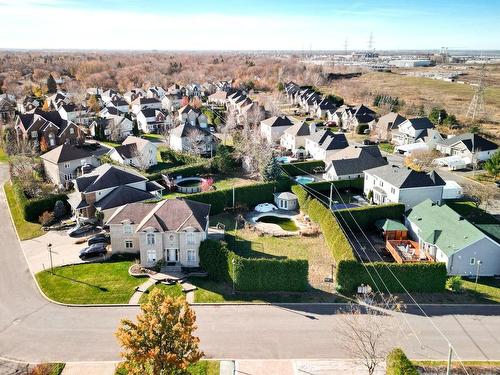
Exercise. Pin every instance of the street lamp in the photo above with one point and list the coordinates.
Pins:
(233, 262)
(477, 272)
(49, 249)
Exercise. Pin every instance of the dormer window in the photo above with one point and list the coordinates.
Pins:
(150, 238)
(190, 238)
(127, 229)
(71, 130)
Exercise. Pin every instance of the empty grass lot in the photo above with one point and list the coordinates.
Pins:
(93, 283)
(170, 290)
(25, 229)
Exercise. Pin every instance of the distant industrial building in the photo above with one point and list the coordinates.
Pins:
(410, 63)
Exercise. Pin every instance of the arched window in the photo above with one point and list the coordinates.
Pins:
(150, 238)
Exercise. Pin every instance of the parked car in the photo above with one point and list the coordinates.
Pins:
(99, 238)
(94, 250)
(79, 230)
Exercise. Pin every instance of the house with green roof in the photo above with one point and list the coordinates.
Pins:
(451, 239)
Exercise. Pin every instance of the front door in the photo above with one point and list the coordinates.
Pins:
(172, 255)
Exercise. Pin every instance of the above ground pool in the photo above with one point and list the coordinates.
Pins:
(304, 180)
(189, 185)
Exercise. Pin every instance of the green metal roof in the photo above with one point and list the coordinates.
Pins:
(443, 227)
(389, 224)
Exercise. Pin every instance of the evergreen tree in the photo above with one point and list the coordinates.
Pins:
(271, 170)
(492, 166)
(51, 85)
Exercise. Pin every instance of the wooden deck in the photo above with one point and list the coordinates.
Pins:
(407, 251)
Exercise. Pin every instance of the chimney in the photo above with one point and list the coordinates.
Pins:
(312, 128)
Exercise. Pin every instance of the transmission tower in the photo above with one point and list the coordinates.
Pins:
(476, 107)
(370, 42)
(346, 44)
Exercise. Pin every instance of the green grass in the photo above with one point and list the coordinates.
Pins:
(110, 144)
(25, 229)
(203, 367)
(386, 147)
(94, 283)
(153, 137)
(481, 219)
(170, 290)
(4, 158)
(48, 368)
(487, 289)
(285, 224)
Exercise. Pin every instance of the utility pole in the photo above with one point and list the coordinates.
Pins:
(450, 352)
(477, 273)
(331, 194)
(49, 248)
(476, 106)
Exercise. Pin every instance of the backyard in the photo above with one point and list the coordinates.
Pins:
(174, 290)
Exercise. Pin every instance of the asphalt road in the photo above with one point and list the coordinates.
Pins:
(32, 329)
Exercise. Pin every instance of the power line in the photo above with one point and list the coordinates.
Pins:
(476, 106)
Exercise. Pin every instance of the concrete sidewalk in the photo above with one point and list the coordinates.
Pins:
(87, 368)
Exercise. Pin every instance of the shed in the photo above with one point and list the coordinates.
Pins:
(286, 201)
(392, 229)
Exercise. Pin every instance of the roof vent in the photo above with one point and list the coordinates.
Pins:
(460, 218)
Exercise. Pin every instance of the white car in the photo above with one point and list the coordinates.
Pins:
(265, 207)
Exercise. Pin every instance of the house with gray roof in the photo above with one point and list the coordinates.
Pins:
(351, 162)
(411, 130)
(396, 184)
(383, 127)
(324, 143)
(194, 139)
(108, 187)
(451, 239)
(170, 230)
(274, 127)
(295, 136)
(468, 146)
(135, 151)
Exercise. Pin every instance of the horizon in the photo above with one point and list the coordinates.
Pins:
(314, 25)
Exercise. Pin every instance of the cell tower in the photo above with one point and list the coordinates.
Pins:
(370, 42)
(476, 107)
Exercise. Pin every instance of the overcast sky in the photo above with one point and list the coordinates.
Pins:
(249, 24)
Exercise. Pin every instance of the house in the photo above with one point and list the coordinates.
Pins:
(286, 201)
(133, 94)
(469, 147)
(68, 112)
(108, 187)
(295, 136)
(29, 104)
(193, 139)
(171, 102)
(383, 127)
(141, 103)
(7, 107)
(223, 86)
(151, 120)
(219, 97)
(170, 230)
(324, 143)
(135, 151)
(114, 128)
(65, 162)
(274, 127)
(48, 127)
(156, 92)
(452, 239)
(323, 107)
(120, 104)
(351, 162)
(395, 184)
(352, 117)
(110, 111)
(411, 130)
(58, 99)
(110, 95)
(188, 113)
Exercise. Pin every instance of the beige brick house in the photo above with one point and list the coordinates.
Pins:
(170, 230)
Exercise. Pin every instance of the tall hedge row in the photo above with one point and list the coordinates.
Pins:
(182, 170)
(415, 277)
(366, 216)
(398, 364)
(263, 275)
(248, 196)
(324, 186)
(302, 167)
(33, 208)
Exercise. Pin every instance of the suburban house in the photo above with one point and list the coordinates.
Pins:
(47, 127)
(141, 103)
(108, 187)
(451, 239)
(133, 94)
(383, 127)
(395, 184)
(7, 107)
(274, 127)
(295, 136)
(468, 148)
(323, 107)
(219, 97)
(114, 128)
(170, 230)
(29, 104)
(324, 143)
(351, 162)
(120, 104)
(193, 139)
(411, 130)
(358, 115)
(156, 92)
(110, 95)
(151, 120)
(66, 162)
(171, 102)
(135, 151)
(68, 111)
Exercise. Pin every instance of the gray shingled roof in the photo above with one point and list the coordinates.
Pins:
(356, 159)
(403, 177)
(276, 121)
(67, 152)
(123, 195)
(470, 139)
(107, 176)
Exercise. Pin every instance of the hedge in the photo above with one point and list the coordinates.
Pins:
(249, 195)
(398, 364)
(182, 170)
(324, 186)
(33, 208)
(416, 277)
(366, 216)
(250, 274)
(302, 167)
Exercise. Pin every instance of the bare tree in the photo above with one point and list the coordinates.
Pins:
(229, 124)
(252, 149)
(421, 160)
(197, 142)
(272, 105)
(140, 160)
(483, 196)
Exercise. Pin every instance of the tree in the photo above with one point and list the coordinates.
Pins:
(93, 103)
(59, 209)
(162, 340)
(51, 85)
(223, 160)
(492, 166)
(206, 184)
(46, 105)
(197, 141)
(483, 196)
(271, 170)
(437, 115)
(421, 160)
(335, 99)
(44, 145)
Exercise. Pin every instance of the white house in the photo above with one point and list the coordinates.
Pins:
(153, 120)
(469, 147)
(274, 127)
(295, 136)
(324, 143)
(135, 151)
(411, 130)
(141, 103)
(192, 139)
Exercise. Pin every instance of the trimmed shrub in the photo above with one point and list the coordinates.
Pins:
(415, 277)
(360, 129)
(182, 170)
(33, 208)
(302, 167)
(357, 183)
(214, 259)
(398, 364)
(454, 283)
(366, 216)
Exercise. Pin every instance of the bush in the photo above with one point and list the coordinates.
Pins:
(351, 274)
(182, 170)
(399, 364)
(172, 156)
(454, 283)
(366, 216)
(360, 129)
(46, 218)
(302, 167)
(59, 209)
(252, 274)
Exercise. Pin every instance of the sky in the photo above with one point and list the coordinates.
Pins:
(249, 24)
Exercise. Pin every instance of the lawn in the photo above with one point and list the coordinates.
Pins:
(3, 156)
(110, 144)
(25, 229)
(284, 223)
(92, 283)
(481, 219)
(483, 178)
(170, 290)
(203, 367)
(153, 137)
(487, 289)
(386, 147)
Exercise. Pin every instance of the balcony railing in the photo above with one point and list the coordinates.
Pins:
(407, 251)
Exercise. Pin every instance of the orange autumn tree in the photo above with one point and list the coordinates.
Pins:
(162, 341)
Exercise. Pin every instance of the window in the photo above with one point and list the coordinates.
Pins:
(67, 165)
(68, 177)
(151, 254)
(393, 190)
(191, 256)
(34, 134)
(190, 238)
(71, 131)
(150, 238)
(381, 183)
(127, 229)
(472, 261)
(129, 244)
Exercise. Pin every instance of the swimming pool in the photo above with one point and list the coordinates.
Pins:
(284, 159)
(304, 180)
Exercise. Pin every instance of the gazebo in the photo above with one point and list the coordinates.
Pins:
(392, 229)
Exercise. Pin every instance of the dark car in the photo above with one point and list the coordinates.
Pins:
(368, 142)
(79, 230)
(99, 238)
(94, 250)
